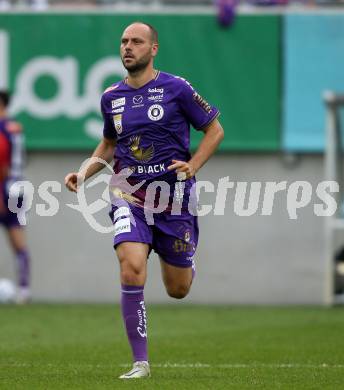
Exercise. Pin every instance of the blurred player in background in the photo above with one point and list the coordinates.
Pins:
(11, 161)
(37, 5)
(147, 117)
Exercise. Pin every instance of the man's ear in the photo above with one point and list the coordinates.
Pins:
(155, 49)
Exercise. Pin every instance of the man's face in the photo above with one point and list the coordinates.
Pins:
(137, 49)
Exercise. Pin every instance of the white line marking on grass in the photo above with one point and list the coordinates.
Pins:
(178, 365)
(240, 365)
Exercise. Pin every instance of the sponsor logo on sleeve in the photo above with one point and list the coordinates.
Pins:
(202, 102)
(155, 112)
(118, 102)
(118, 110)
(117, 121)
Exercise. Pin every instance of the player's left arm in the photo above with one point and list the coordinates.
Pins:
(213, 135)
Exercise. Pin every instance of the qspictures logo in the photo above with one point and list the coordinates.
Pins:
(76, 96)
(245, 199)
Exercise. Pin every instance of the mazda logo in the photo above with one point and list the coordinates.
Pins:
(137, 99)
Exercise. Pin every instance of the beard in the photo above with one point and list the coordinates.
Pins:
(137, 66)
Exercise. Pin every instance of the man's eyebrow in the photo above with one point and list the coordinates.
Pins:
(133, 38)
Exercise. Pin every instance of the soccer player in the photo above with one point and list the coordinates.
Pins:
(147, 119)
(11, 157)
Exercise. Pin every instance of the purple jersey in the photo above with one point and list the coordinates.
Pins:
(151, 124)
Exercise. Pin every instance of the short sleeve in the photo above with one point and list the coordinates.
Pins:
(195, 108)
(108, 128)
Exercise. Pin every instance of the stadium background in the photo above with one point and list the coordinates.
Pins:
(266, 73)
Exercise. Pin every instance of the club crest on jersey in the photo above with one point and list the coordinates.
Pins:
(155, 112)
(117, 121)
(138, 152)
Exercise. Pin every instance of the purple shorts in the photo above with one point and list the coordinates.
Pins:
(7, 218)
(173, 237)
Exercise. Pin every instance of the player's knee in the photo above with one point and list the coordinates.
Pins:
(131, 276)
(178, 292)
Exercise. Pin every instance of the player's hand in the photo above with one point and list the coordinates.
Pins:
(71, 181)
(182, 167)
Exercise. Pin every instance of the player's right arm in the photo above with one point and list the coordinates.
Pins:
(103, 151)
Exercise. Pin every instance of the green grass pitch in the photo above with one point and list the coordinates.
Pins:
(191, 347)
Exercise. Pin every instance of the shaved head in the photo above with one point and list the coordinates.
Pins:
(152, 31)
